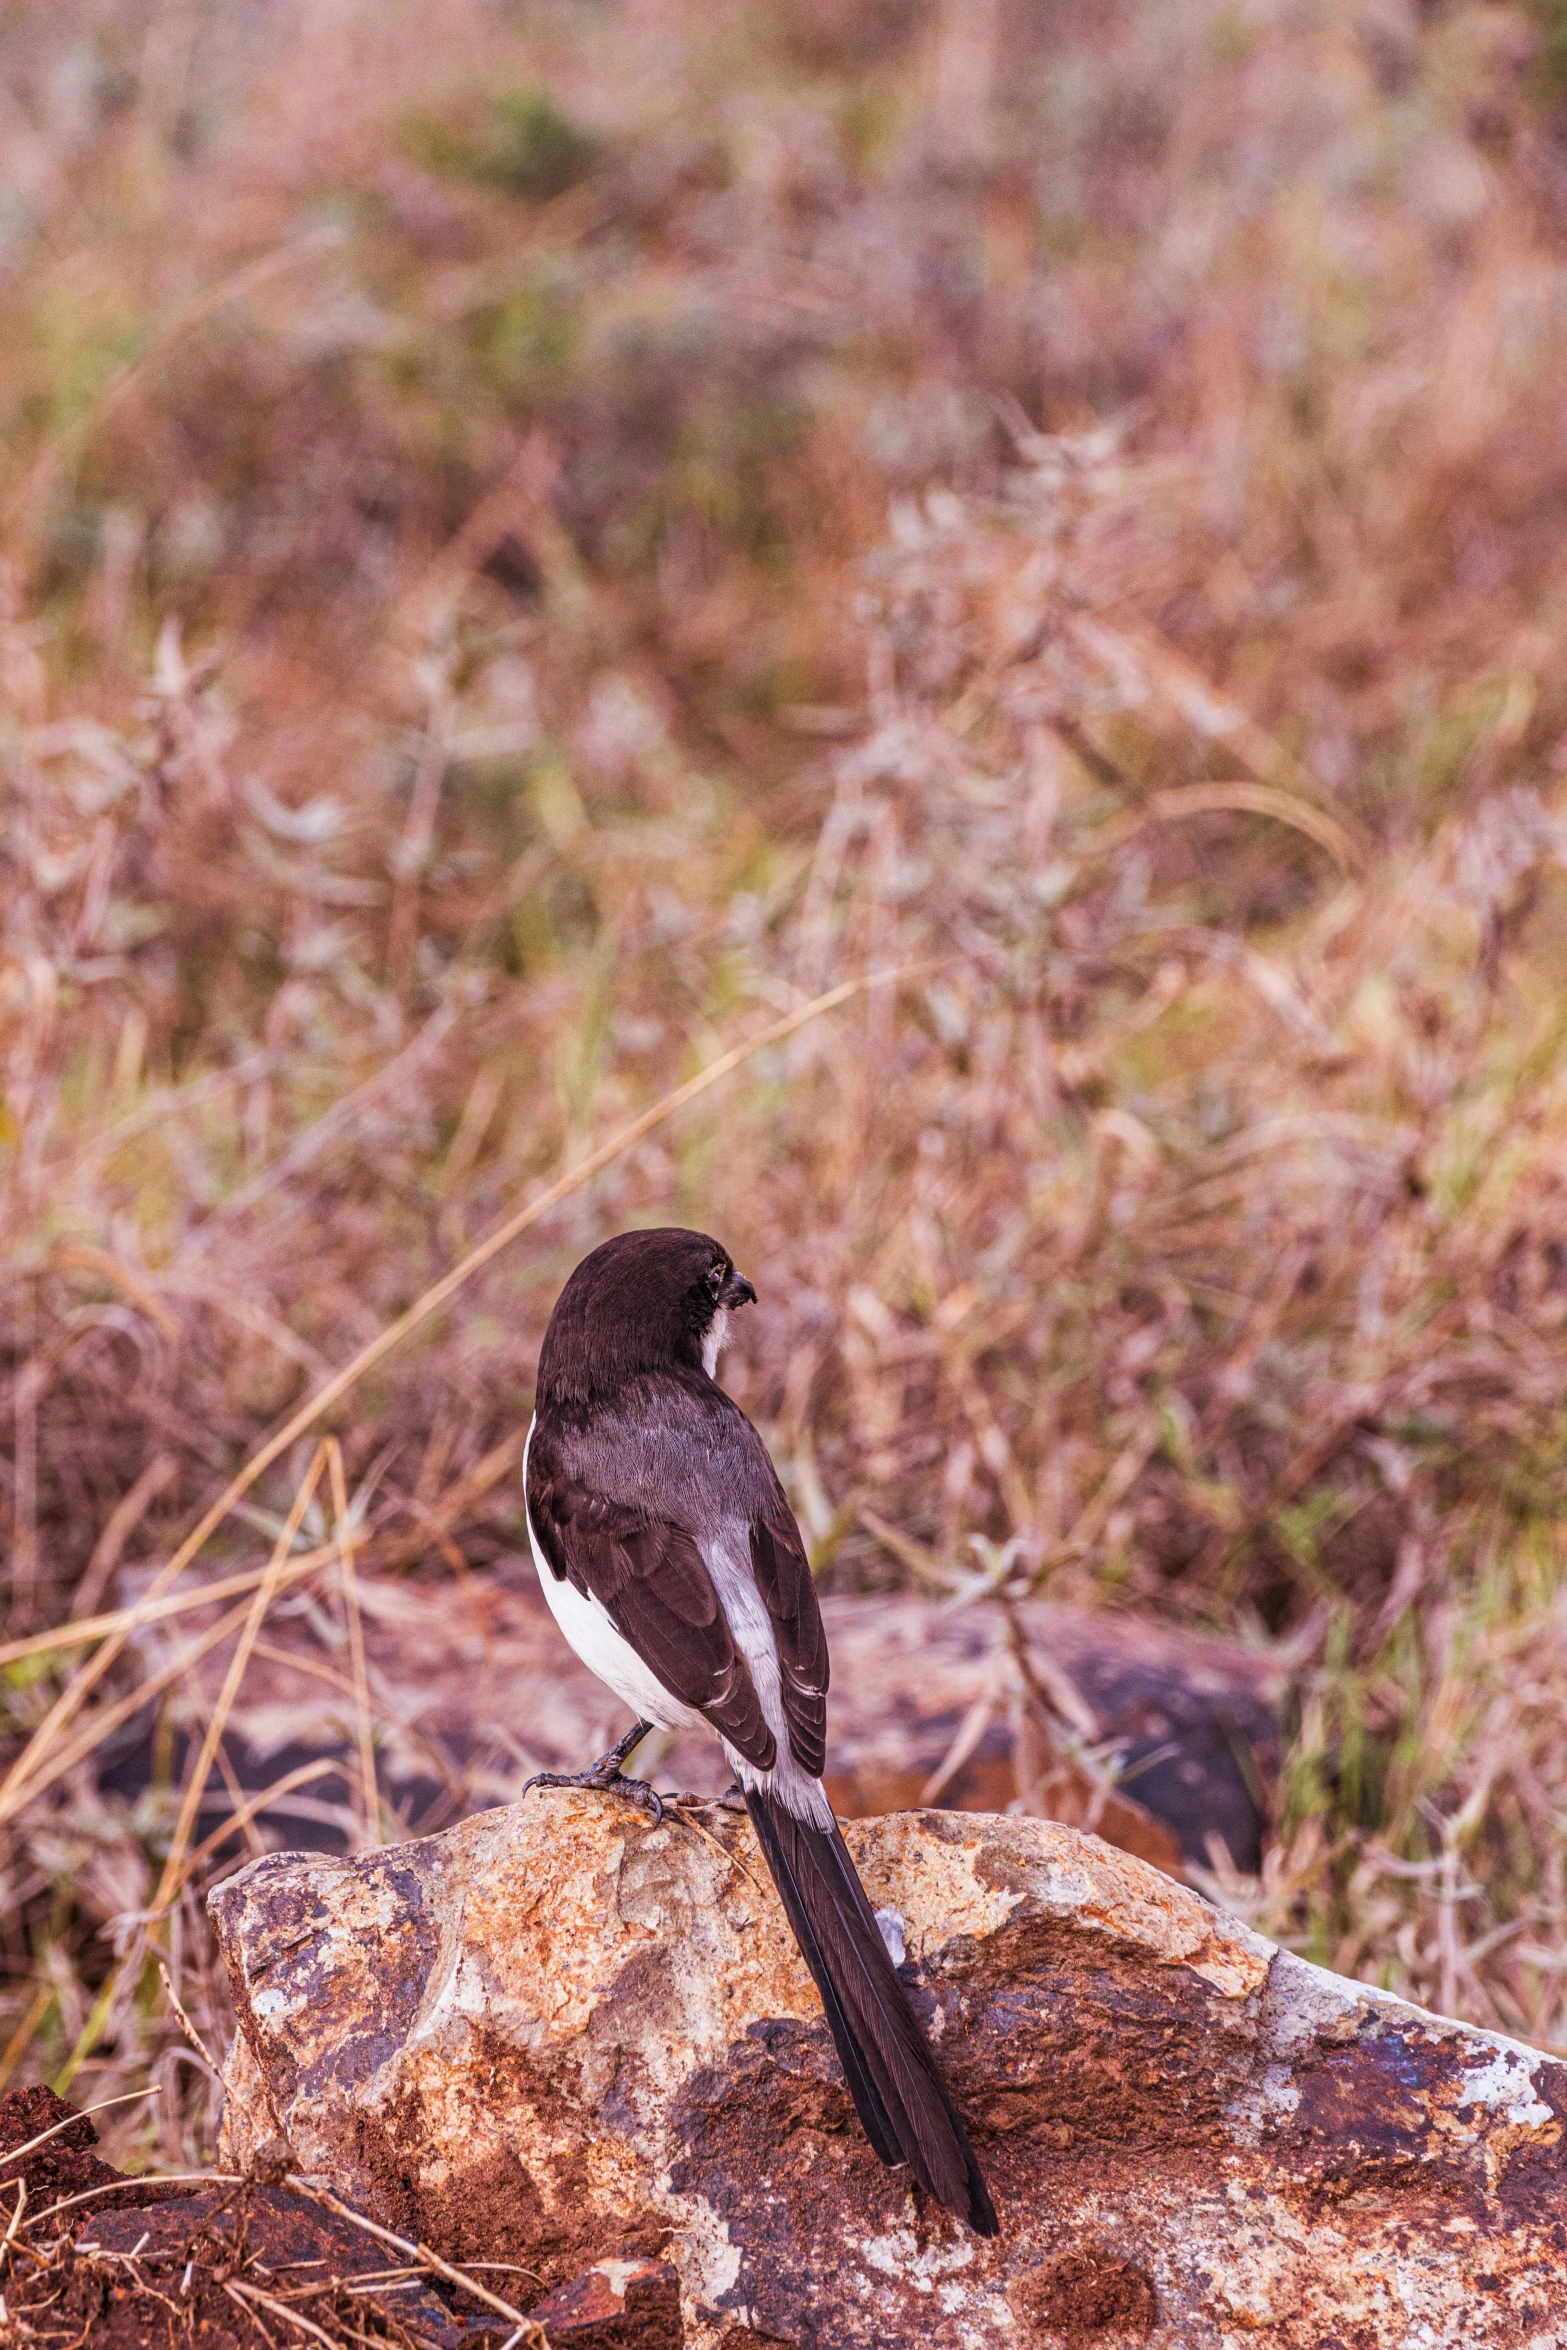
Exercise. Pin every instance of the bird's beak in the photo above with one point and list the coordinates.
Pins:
(737, 1291)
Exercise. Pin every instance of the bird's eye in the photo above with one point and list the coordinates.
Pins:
(717, 1275)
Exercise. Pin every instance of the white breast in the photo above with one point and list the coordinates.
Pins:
(713, 1343)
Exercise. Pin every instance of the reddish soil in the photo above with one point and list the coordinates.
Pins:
(1089, 2297)
(67, 2165)
(149, 2268)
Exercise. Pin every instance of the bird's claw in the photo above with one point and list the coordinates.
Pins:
(648, 1797)
(605, 1783)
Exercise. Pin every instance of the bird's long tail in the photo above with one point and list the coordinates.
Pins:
(893, 2077)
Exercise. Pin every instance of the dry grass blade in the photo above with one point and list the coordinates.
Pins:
(13, 1788)
(48, 1755)
(178, 2007)
(112, 1994)
(21, 2039)
(471, 1487)
(141, 1615)
(468, 1489)
(122, 1524)
(52, 1756)
(1294, 795)
(130, 1284)
(1255, 799)
(364, 1738)
(253, 1807)
(201, 1771)
(928, 1570)
(967, 1736)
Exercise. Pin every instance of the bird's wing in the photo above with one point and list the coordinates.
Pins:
(649, 1576)
(783, 1577)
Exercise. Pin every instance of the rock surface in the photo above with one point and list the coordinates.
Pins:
(557, 2035)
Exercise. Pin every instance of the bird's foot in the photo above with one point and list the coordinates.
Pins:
(606, 1782)
(606, 1776)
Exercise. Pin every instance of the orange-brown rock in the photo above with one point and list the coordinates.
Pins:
(557, 2035)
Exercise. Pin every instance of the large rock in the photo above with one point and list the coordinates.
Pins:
(557, 2035)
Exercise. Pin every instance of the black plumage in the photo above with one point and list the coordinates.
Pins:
(645, 1570)
(651, 1495)
(902, 2100)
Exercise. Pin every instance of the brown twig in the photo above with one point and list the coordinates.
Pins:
(530, 2334)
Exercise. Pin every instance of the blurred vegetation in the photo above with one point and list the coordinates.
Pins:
(525, 145)
(529, 555)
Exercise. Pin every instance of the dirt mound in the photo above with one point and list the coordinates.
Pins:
(66, 2163)
(136, 2265)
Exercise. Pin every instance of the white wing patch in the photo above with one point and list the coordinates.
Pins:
(728, 1561)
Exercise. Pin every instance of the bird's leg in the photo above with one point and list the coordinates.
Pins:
(608, 1773)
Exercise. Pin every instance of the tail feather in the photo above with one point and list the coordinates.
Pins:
(893, 2078)
(877, 2122)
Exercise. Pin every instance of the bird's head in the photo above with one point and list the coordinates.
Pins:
(644, 1301)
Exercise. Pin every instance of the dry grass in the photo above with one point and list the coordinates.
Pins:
(504, 601)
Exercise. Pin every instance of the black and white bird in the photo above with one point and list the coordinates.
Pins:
(673, 1564)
